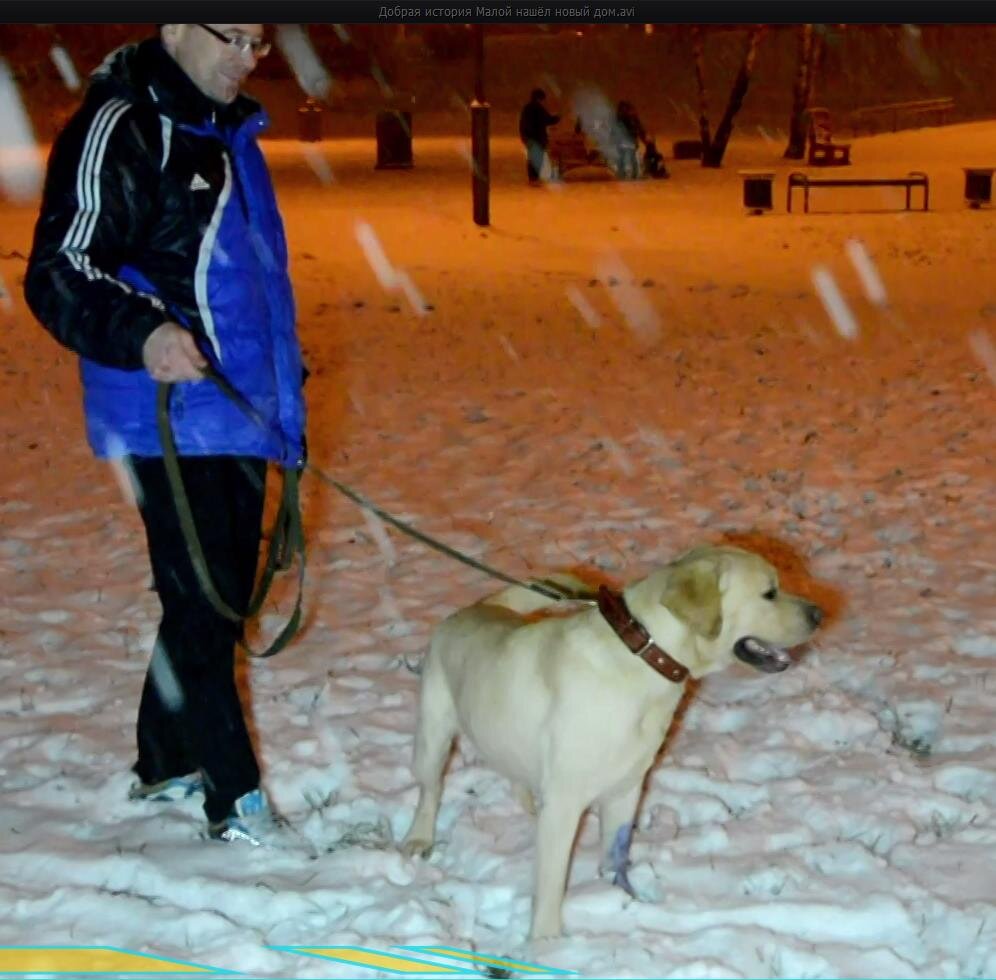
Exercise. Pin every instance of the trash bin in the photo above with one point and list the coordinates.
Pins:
(687, 149)
(309, 122)
(758, 189)
(978, 186)
(394, 140)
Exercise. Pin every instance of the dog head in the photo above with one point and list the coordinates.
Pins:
(730, 605)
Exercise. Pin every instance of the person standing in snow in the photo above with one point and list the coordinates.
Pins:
(534, 120)
(628, 134)
(159, 251)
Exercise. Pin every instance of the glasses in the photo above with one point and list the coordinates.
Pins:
(244, 45)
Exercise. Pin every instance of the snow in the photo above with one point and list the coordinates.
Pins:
(607, 376)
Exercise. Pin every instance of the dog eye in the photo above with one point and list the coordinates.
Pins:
(770, 595)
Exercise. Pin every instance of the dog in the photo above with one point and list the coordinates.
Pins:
(573, 710)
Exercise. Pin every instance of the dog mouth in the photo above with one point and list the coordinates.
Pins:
(763, 656)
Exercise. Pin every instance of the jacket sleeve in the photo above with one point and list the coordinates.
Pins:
(100, 193)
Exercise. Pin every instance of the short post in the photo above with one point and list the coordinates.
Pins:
(978, 186)
(758, 190)
(480, 147)
(309, 121)
(480, 161)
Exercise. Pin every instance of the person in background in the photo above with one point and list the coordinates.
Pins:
(534, 120)
(159, 252)
(629, 133)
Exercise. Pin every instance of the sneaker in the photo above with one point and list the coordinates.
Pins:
(168, 790)
(253, 821)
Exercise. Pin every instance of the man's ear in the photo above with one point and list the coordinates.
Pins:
(693, 596)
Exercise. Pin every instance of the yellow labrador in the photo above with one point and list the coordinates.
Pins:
(573, 709)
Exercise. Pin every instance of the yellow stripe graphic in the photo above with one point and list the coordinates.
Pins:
(460, 954)
(375, 960)
(478, 958)
(88, 959)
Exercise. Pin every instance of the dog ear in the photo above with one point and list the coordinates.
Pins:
(693, 596)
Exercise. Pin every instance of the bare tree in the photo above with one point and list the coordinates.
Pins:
(712, 154)
(697, 54)
(796, 148)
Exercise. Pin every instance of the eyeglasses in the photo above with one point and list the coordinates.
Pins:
(244, 45)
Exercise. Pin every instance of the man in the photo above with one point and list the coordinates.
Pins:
(159, 251)
(533, 123)
(628, 134)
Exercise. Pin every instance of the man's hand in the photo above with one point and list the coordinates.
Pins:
(170, 354)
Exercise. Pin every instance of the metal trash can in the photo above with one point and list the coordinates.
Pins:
(758, 190)
(394, 140)
(978, 186)
(309, 122)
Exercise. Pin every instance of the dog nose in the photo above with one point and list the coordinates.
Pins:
(814, 614)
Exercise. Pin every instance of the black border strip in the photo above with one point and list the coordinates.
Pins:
(505, 11)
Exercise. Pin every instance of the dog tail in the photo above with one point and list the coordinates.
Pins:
(521, 600)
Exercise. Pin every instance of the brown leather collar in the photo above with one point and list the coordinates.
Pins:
(616, 613)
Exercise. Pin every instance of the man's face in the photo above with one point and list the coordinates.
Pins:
(216, 68)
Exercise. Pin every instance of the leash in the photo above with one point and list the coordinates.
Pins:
(287, 535)
(550, 591)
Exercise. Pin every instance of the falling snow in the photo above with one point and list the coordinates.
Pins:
(834, 820)
(20, 159)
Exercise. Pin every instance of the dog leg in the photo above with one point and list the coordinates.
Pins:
(617, 817)
(558, 826)
(437, 726)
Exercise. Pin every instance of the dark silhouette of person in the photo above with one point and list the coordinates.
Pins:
(533, 123)
(629, 133)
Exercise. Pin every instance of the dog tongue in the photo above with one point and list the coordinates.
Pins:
(761, 655)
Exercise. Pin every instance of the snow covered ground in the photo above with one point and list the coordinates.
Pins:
(608, 375)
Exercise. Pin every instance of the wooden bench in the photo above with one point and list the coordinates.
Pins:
(915, 178)
(570, 151)
(823, 151)
(875, 118)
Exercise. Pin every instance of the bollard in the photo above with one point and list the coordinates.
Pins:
(480, 162)
(309, 122)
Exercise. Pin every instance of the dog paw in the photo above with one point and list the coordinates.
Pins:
(416, 848)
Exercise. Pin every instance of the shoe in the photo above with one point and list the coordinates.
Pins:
(253, 821)
(168, 790)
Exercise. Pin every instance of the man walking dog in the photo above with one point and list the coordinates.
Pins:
(159, 252)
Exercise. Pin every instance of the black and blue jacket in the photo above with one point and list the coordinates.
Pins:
(158, 206)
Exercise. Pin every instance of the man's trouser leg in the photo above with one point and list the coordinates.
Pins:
(535, 155)
(190, 716)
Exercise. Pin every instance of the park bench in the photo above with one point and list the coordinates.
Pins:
(901, 115)
(571, 150)
(823, 151)
(915, 178)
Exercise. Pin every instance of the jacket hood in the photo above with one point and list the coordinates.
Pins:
(145, 73)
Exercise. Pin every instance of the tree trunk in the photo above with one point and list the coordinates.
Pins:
(713, 155)
(796, 148)
(697, 46)
(819, 46)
